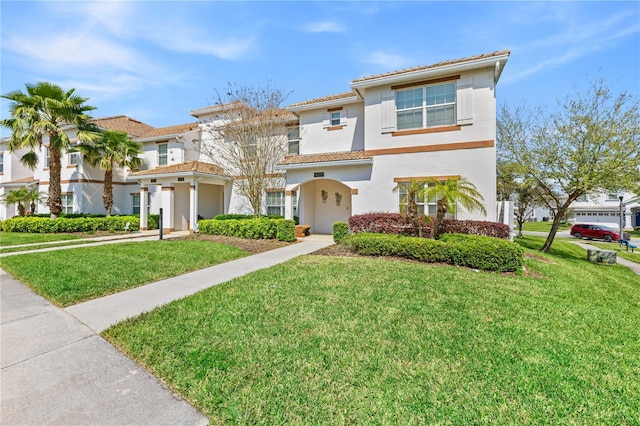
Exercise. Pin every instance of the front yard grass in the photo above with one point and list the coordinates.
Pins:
(36, 246)
(67, 277)
(542, 226)
(17, 238)
(355, 340)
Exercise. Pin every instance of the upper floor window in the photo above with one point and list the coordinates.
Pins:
(335, 118)
(293, 137)
(74, 157)
(612, 196)
(1, 162)
(427, 106)
(47, 157)
(275, 203)
(162, 154)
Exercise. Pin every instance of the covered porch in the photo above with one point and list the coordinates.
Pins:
(188, 192)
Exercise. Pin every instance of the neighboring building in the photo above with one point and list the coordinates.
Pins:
(347, 152)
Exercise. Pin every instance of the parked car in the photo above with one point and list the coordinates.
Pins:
(599, 232)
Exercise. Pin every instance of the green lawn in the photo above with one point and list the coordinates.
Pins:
(67, 277)
(13, 249)
(328, 340)
(541, 226)
(16, 238)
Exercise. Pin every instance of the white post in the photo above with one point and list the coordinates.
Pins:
(167, 206)
(193, 205)
(144, 209)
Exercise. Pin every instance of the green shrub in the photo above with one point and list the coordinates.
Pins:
(286, 230)
(45, 225)
(473, 251)
(487, 253)
(340, 231)
(256, 228)
(236, 216)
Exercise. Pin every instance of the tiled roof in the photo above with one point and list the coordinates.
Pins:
(170, 130)
(123, 123)
(439, 64)
(25, 180)
(190, 166)
(344, 95)
(324, 158)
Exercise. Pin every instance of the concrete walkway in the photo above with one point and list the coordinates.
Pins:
(56, 369)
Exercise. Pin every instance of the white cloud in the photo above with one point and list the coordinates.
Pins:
(386, 60)
(324, 27)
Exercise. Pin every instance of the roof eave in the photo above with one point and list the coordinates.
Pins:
(188, 173)
(325, 104)
(164, 137)
(358, 162)
(433, 72)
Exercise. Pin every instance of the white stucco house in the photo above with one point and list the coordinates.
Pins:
(346, 153)
(435, 121)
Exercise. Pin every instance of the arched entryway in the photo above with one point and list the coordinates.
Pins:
(322, 202)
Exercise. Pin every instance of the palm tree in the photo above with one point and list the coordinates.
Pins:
(46, 110)
(16, 196)
(414, 190)
(33, 196)
(449, 194)
(113, 148)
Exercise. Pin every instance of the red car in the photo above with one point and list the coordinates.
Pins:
(599, 232)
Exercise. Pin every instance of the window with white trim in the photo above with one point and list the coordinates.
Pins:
(135, 202)
(162, 154)
(47, 157)
(74, 157)
(612, 196)
(293, 137)
(275, 203)
(335, 118)
(427, 106)
(67, 203)
(1, 162)
(428, 207)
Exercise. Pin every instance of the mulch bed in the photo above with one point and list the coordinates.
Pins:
(249, 245)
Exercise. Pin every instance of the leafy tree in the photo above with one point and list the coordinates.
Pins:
(112, 149)
(250, 138)
(526, 199)
(45, 110)
(592, 143)
(450, 194)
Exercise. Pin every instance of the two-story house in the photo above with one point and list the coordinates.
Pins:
(354, 148)
(347, 152)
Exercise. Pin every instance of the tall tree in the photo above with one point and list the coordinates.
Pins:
(112, 149)
(250, 138)
(526, 199)
(448, 195)
(46, 110)
(591, 143)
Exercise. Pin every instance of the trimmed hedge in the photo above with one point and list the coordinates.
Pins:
(386, 223)
(395, 223)
(340, 230)
(486, 253)
(236, 216)
(45, 225)
(255, 228)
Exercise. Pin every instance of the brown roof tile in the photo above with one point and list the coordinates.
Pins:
(170, 130)
(190, 166)
(323, 158)
(123, 123)
(25, 180)
(344, 95)
(439, 64)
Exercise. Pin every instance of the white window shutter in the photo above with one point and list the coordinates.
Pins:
(464, 97)
(388, 108)
(343, 117)
(326, 120)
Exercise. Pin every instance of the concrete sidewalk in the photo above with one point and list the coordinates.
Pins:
(57, 370)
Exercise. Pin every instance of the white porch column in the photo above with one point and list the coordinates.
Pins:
(288, 204)
(144, 209)
(193, 206)
(167, 209)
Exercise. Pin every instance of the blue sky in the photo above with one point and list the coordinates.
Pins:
(157, 61)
